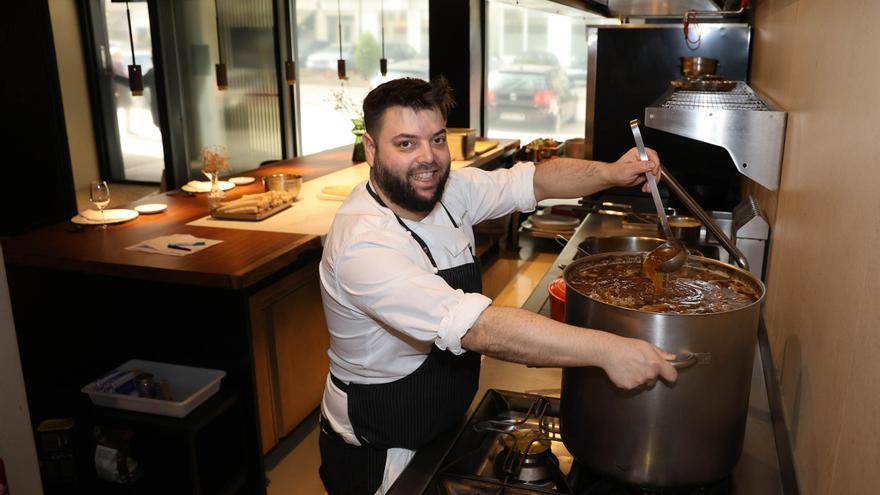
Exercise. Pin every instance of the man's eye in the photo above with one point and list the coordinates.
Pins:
(405, 144)
(440, 140)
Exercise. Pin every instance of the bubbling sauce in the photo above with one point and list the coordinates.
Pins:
(690, 290)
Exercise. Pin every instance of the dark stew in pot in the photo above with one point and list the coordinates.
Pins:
(690, 290)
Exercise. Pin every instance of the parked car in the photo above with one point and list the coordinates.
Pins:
(399, 51)
(325, 58)
(536, 57)
(417, 67)
(577, 71)
(533, 94)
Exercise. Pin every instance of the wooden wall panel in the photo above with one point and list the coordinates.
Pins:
(823, 269)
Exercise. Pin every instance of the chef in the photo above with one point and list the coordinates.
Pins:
(402, 290)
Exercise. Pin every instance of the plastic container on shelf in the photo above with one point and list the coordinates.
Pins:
(190, 387)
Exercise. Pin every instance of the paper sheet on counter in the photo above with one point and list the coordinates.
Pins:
(160, 245)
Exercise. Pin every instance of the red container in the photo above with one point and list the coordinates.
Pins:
(556, 289)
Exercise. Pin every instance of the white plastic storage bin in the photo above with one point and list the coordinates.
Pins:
(190, 387)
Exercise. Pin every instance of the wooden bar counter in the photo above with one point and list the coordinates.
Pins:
(250, 306)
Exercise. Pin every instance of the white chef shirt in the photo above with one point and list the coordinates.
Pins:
(384, 302)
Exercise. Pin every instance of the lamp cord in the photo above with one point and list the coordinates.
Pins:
(217, 21)
(339, 23)
(130, 36)
(382, 8)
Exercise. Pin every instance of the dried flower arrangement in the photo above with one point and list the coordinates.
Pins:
(215, 159)
(342, 101)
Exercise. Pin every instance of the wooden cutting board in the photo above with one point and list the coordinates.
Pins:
(253, 217)
(482, 146)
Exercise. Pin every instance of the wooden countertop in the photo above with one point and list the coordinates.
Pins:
(242, 260)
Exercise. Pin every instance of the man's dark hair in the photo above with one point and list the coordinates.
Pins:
(406, 92)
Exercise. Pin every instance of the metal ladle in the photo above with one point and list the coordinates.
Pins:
(672, 252)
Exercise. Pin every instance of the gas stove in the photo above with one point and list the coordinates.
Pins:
(512, 445)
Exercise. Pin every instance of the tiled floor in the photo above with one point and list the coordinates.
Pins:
(509, 281)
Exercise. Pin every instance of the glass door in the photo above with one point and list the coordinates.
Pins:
(130, 139)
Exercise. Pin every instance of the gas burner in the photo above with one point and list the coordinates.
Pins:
(525, 446)
(525, 456)
(477, 461)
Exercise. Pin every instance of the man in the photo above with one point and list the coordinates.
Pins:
(401, 290)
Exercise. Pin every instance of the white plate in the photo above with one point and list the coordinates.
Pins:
(149, 209)
(112, 216)
(241, 180)
(196, 186)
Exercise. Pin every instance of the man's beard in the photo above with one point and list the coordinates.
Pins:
(401, 192)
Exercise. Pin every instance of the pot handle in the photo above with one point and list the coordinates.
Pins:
(692, 358)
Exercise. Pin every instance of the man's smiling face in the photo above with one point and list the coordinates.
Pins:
(410, 158)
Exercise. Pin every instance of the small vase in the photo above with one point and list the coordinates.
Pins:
(357, 154)
(215, 195)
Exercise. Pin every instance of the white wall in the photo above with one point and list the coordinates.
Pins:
(16, 438)
(815, 59)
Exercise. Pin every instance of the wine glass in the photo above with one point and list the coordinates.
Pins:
(99, 195)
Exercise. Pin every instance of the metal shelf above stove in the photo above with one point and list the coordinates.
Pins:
(740, 121)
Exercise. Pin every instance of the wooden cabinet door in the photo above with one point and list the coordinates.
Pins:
(290, 352)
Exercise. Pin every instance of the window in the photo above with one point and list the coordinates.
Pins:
(537, 67)
(132, 140)
(318, 26)
(245, 117)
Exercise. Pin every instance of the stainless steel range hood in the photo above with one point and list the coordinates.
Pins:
(740, 121)
(657, 8)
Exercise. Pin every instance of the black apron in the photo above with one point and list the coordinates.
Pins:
(406, 413)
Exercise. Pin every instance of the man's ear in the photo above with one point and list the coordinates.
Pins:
(369, 147)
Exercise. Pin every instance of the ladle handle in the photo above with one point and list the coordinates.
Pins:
(704, 217)
(652, 182)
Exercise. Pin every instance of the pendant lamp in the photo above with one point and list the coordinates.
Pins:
(220, 67)
(340, 64)
(135, 75)
(290, 72)
(383, 62)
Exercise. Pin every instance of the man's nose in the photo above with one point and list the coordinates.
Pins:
(426, 153)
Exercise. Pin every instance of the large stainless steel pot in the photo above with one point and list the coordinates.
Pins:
(689, 433)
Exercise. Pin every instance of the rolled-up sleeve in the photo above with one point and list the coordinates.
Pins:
(408, 298)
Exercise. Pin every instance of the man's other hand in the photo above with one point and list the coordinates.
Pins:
(633, 363)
